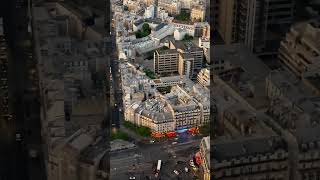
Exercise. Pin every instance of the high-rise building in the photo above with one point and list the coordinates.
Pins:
(186, 62)
(259, 24)
(197, 52)
(166, 61)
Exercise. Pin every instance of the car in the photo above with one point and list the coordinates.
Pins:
(18, 137)
(152, 141)
(191, 163)
(179, 162)
(176, 172)
(186, 169)
(132, 177)
(33, 153)
(173, 143)
(176, 138)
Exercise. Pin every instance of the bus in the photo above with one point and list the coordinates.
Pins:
(159, 165)
(158, 168)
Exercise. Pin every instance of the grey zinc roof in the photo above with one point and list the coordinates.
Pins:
(233, 149)
(137, 23)
(81, 142)
(160, 26)
(307, 135)
(167, 51)
(239, 55)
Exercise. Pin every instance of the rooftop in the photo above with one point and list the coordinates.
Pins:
(156, 109)
(308, 135)
(250, 73)
(238, 55)
(246, 147)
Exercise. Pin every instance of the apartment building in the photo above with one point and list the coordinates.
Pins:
(300, 50)
(4, 93)
(189, 47)
(152, 113)
(201, 96)
(308, 146)
(250, 158)
(197, 13)
(173, 7)
(80, 157)
(166, 61)
(186, 111)
(205, 157)
(203, 77)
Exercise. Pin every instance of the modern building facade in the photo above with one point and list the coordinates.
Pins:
(253, 22)
(166, 61)
(186, 62)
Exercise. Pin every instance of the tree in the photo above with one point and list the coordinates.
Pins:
(205, 129)
(145, 27)
(183, 16)
(187, 37)
(145, 31)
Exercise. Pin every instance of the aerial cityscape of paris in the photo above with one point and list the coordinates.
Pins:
(160, 90)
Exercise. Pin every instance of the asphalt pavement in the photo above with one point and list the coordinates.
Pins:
(23, 102)
(141, 162)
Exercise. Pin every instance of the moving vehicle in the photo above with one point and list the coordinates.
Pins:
(132, 177)
(158, 168)
(186, 169)
(18, 137)
(176, 172)
(173, 143)
(159, 165)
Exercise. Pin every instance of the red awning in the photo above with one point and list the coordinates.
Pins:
(193, 130)
(157, 135)
(171, 134)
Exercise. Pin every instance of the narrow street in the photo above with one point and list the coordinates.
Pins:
(24, 146)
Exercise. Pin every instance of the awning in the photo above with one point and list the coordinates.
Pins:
(171, 134)
(157, 134)
(193, 130)
(181, 130)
